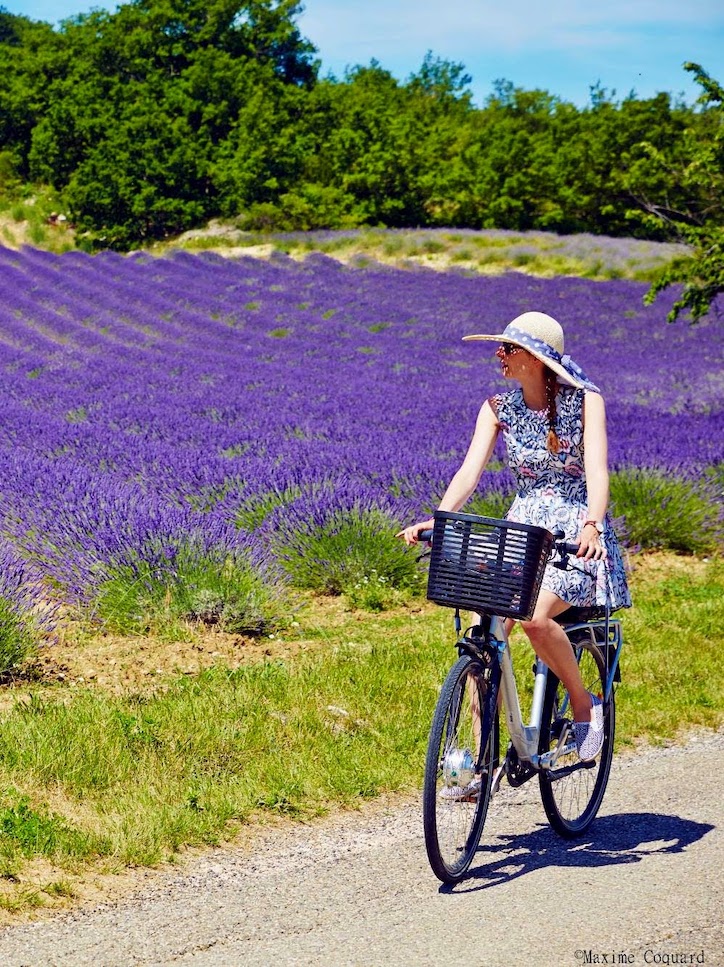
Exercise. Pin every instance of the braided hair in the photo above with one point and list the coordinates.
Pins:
(552, 441)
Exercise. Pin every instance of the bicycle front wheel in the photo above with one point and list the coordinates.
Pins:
(572, 790)
(459, 769)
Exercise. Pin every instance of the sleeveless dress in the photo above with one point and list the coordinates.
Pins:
(552, 493)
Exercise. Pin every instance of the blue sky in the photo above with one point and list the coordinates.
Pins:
(562, 46)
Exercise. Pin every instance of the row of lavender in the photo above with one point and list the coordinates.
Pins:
(155, 402)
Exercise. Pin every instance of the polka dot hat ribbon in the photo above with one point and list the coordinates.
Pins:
(542, 348)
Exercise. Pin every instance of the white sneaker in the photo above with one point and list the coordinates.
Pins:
(462, 793)
(589, 735)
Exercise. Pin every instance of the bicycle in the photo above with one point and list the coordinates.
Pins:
(494, 568)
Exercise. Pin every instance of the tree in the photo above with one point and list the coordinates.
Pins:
(167, 112)
(699, 220)
(27, 49)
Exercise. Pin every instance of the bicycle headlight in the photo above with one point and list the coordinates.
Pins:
(458, 767)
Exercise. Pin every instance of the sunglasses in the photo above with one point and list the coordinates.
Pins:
(509, 348)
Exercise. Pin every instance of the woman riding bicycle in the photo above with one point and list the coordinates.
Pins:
(554, 427)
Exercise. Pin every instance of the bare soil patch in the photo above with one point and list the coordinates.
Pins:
(133, 664)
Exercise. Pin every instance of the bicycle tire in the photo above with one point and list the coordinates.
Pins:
(453, 827)
(572, 791)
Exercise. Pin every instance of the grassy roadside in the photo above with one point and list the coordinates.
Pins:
(97, 780)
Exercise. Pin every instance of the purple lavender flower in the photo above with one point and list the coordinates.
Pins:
(149, 402)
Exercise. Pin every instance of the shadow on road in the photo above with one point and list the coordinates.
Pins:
(611, 841)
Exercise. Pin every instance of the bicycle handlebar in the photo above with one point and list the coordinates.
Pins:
(563, 547)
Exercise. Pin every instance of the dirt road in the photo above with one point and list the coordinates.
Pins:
(645, 887)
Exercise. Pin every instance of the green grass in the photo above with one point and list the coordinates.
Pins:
(94, 778)
(671, 666)
(337, 726)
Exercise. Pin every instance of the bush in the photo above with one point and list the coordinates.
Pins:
(345, 551)
(212, 587)
(25, 616)
(253, 510)
(10, 182)
(666, 512)
(306, 208)
(492, 504)
(17, 638)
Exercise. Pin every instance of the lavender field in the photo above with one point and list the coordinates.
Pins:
(199, 409)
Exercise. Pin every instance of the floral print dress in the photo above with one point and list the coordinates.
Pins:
(552, 493)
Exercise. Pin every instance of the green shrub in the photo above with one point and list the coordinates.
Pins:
(17, 637)
(345, 551)
(666, 512)
(10, 182)
(225, 591)
(307, 207)
(492, 504)
(715, 476)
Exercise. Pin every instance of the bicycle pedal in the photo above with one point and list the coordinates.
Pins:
(558, 726)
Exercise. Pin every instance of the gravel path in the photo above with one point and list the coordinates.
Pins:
(645, 887)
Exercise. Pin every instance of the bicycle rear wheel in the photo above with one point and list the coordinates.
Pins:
(462, 753)
(572, 790)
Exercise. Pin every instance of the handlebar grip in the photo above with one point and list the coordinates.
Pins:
(427, 536)
(568, 548)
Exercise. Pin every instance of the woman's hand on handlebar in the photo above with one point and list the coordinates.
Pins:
(590, 545)
(411, 534)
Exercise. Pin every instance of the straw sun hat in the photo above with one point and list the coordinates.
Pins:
(542, 336)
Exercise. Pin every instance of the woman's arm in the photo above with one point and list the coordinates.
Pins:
(468, 476)
(595, 460)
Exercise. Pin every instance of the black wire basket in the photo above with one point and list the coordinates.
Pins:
(486, 565)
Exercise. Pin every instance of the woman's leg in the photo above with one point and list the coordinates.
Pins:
(550, 643)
